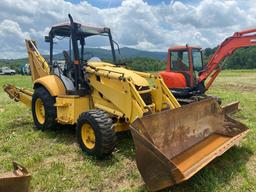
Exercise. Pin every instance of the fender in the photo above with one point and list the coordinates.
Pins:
(52, 83)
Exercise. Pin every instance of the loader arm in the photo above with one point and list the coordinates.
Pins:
(241, 39)
(133, 96)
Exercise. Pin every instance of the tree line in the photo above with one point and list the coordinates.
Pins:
(244, 58)
(144, 64)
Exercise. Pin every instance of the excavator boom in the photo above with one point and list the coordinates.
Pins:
(241, 39)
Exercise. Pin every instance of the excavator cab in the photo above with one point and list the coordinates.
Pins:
(183, 68)
(191, 83)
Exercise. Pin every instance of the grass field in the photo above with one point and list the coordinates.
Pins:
(57, 164)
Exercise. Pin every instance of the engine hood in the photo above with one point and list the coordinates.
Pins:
(126, 73)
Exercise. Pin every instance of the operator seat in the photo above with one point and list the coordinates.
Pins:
(65, 75)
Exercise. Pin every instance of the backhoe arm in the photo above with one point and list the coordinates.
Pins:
(38, 65)
(19, 94)
(241, 39)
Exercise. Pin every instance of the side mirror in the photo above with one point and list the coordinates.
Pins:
(47, 39)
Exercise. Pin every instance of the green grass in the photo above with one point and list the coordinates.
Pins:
(57, 164)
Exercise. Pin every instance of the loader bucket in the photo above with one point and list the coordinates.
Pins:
(15, 181)
(173, 145)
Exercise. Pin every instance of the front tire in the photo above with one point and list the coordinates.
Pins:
(43, 110)
(95, 133)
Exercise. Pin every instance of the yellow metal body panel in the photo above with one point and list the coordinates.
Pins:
(53, 84)
(70, 107)
(38, 65)
(120, 91)
(107, 69)
(119, 95)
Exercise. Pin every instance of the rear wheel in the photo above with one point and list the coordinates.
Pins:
(95, 133)
(43, 110)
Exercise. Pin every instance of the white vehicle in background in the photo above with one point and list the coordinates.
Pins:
(7, 71)
(25, 69)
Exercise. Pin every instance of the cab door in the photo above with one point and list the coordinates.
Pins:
(197, 64)
(179, 63)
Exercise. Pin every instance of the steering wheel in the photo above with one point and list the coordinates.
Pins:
(88, 55)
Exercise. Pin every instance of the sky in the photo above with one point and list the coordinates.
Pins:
(143, 24)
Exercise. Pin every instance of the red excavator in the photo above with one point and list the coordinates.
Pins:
(186, 75)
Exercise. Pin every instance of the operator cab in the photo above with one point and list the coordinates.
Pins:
(184, 65)
(72, 73)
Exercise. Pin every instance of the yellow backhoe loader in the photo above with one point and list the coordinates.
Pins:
(172, 142)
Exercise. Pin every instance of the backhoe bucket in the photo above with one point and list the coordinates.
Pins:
(16, 181)
(173, 145)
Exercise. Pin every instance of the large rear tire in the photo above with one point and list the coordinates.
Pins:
(95, 133)
(43, 110)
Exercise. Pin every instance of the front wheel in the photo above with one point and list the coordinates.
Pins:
(95, 133)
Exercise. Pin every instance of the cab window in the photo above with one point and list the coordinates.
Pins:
(179, 60)
(197, 60)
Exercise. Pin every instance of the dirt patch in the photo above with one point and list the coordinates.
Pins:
(67, 158)
(128, 177)
(238, 87)
(1, 110)
(237, 182)
(251, 164)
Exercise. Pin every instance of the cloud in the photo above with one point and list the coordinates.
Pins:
(11, 38)
(134, 23)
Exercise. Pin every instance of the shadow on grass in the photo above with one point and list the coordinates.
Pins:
(67, 135)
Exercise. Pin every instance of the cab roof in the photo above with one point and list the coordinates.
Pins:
(64, 30)
(183, 48)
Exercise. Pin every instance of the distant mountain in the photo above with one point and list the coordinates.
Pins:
(125, 53)
(130, 52)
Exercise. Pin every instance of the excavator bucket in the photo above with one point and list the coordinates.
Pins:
(173, 145)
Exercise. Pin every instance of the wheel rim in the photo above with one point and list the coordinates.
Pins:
(40, 112)
(88, 136)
